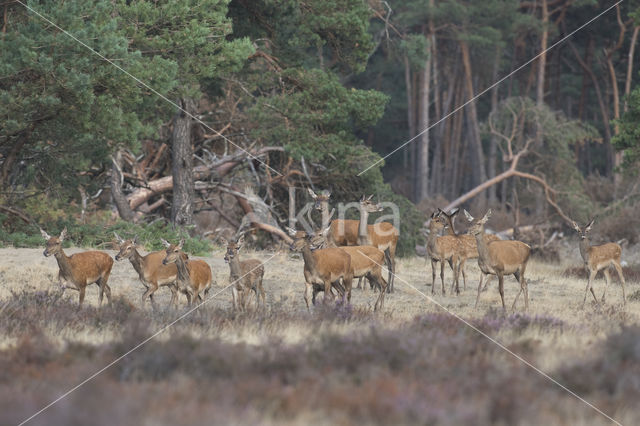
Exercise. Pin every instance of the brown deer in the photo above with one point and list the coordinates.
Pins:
(500, 258)
(597, 258)
(245, 275)
(323, 267)
(152, 273)
(193, 276)
(344, 232)
(81, 269)
(366, 262)
(467, 242)
(441, 249)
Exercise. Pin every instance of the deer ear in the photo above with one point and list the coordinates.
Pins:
(118, 238)
(575, 226)
(135, 240)
(370, 197)
(63, 234)
(224, 241)
(180, 244)
(313, 194)
(434, 215)
(486, 217)
(291, 231)
(328, 194)
(165, 242)
(240, 241)
(468, 215)
(454, 211)
(45, 235)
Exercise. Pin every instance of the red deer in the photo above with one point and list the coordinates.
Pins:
(441, 249)
(245, 275)
(193, 276)
(81, 269)
(597, 258)
(501, 258)
(344, 232)
(152, 273)
(324, 267)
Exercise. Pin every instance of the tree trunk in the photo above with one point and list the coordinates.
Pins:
(410, 110)
(632, 48)
(182, 166)
(124, 210)
(476, 143)
(542, 63)
(493, 148)
(422, 160)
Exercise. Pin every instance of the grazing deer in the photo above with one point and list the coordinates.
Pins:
(152, 273)
(344, 232)
(81, 269)
(469, 248)
(193, 276)
(246, 275)
(324, 267)
(597, 258)
(441, 249)
(500, 258)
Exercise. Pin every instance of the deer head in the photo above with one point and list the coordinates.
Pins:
(127, 247)
(54, 245)
(583, 231)
(233, 247)
(174, 252)
(478, 226)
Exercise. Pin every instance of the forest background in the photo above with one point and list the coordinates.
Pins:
(278, 96)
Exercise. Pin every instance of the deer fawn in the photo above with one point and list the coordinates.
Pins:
(324, 267)
(343, 232)
(500, 258)
(81, 269)
(468, 246)
(193, 276)
(152, 273)
(441, 249)
(246, 275)
(597, 258)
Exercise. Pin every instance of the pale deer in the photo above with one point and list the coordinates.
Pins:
(245, 275)
(193, 276)
(152, 273)
(81, 269)
(441, 249)
(324, 267)
(597, 258)
(500, 258)
(468, 246)
(345, 232)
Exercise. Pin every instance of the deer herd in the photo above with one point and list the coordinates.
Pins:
(336, 253)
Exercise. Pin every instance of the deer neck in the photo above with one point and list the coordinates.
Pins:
(483, 247)
(63, 264)
(309, 258)
(432, 238)
(450, 230)
(585, 246)
(137, 261)
(183, 271)
(363, 232)
(324, 210)
(234, 267)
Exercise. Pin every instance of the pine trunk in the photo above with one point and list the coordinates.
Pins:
(182, 166)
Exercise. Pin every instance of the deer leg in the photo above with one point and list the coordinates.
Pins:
(174, 295)
(433, 276)
(501, 290)
(234, 296)
(81, 290)
(359, 283)
(592, 274)
(107, 291)
(619, 270)
(486, 283)
(391, 266)
(607, 278)
(452, 265)
(379, 281)
(479, 290)
(262, 295)
(518, 277)
(442, 276)
(464, 276)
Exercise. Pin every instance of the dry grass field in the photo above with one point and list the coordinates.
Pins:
(413, 363)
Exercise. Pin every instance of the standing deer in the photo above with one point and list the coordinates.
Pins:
(441, 249)
(597, 258)
(81, 269)
(500, 258)
(245, 275)
(193, 276)
(152, 273)
(344, 232)
(468, 246)
(324, 267)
